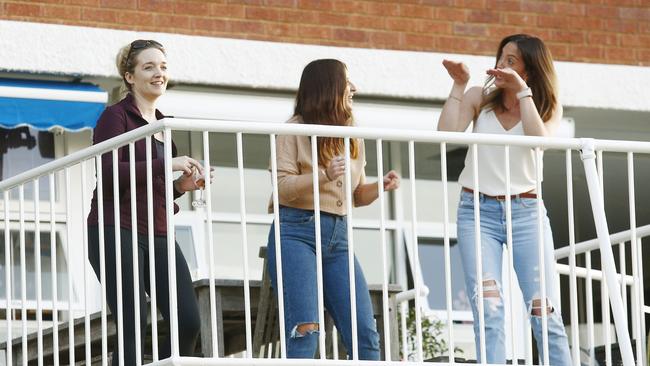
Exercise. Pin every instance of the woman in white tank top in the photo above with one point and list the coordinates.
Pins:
(519, 98)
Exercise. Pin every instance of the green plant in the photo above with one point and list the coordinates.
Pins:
(433, 341)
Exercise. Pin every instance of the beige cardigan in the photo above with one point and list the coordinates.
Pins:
(295, 187)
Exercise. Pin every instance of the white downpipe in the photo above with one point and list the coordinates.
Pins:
(477, 253)
(542, 265)
(118, 257)
(23, 279)
(69, 267)
(417, 276)
(8, 277)
(84, 233)
(604, 292)
(37, 261)
(637, 302)
(607, 255)
(55, 314)
(511, 266)
(134, 255)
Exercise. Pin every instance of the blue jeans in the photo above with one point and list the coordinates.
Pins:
(300, 290)
(526, 265)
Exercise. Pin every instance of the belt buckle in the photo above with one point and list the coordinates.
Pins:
(500, 198)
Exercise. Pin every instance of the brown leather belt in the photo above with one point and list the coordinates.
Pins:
(503, 197)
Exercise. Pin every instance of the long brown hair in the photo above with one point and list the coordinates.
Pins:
(542, 80)
(320, 100)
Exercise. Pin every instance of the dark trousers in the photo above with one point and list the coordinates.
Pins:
(188, 310)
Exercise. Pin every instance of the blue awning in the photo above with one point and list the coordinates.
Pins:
(47, 105)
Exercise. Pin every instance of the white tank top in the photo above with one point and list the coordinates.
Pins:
(491, 161)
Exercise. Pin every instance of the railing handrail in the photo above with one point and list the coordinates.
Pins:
(225, 126)
(592, 244)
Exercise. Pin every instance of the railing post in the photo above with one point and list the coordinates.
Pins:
(607, 256)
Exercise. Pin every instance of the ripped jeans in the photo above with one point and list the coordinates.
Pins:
(526, 265)
(300, 290)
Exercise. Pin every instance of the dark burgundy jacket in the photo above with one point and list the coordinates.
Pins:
(117, 119)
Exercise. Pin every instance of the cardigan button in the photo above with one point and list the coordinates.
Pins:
(339, 203)
(339, 183)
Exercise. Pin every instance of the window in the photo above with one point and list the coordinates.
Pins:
(22, 149)
(30, 267)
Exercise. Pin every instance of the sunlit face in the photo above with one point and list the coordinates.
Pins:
(511, 59)
(149, 78)
(348, 94)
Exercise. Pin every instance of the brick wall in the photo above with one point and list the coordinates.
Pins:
(601, 31)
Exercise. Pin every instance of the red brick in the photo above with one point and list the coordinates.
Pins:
(350, 35)
(602, 11)
(579, 53)
(82, 2)
(438, 2)
(451, 14)
(619, 54)
(543, 7)
(384, 39)
(416, 11)
(401, 24)
(499, 32)
(435, 27)
(333, 19)
(472, 4)
(365, 21)
(520, 19)
(172, 20)
(314, 31)
(620, 26)
(161, 6)
(635, 13)
(247, 2)
(316, 4)
(484, 16)
(567, 36)
(419, 42)
(644, 57)
(220, 25)
(263, 13)
(559, 51)
(280, 29)
(246, 27)
(23, 10)
(99, 15)
(553, 21)
(191, 8)
(603, 39)
(136, 18)
(623, 2)
(228, 10)
(585, 23)
(644, 28)
(466, 45)
(635, 40)
(383, 9)
(470, 30)
(119, 4)
(504, 5)
(62, 12)
(281, 3)
(350, 6)
(570, 9)
(298, 16)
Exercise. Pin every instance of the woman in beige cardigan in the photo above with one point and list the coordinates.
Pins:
(324, 97)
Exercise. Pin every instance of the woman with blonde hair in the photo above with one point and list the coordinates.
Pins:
(519, 98)
(324, 97)
(143, 67)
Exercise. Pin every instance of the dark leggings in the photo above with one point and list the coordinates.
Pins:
(188, 310)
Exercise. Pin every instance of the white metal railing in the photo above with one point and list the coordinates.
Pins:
(589, 149)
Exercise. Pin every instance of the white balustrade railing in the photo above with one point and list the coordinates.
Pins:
(23, 344)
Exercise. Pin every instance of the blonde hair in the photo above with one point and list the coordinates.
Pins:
(542, 79)
(127, 59)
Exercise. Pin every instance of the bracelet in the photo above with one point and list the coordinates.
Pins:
(525, 93)
(453, 97)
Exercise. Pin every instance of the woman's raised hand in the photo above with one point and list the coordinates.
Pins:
(391, 181)
(336, 168)
(508, 79)
(457, 70)
(186, 165)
